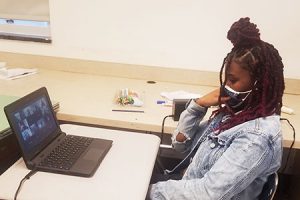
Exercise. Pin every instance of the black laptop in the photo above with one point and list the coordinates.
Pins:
(44, 146)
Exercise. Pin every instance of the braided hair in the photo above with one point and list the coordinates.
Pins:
(265, 67)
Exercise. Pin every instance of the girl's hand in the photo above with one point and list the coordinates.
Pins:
(208, 100)
(211, 99)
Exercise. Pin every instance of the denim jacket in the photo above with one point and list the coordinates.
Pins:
(233, 164)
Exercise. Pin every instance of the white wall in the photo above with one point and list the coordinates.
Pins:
(188, 34)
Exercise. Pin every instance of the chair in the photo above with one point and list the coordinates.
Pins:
(270, 187)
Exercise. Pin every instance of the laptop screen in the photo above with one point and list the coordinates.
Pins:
(33, 121)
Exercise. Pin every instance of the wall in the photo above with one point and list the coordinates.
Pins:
(171, 33)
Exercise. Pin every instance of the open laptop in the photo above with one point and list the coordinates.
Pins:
(41, 140)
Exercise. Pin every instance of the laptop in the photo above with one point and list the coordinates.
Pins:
(44, 146)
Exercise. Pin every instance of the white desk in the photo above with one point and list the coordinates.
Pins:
(124, 173)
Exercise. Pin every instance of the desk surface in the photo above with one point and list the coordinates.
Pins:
(123, 174)
(86, 98)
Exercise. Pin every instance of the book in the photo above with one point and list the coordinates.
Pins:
(5, 100)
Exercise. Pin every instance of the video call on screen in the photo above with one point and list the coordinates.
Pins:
(35, 122)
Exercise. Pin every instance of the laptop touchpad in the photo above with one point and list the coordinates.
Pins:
(92, 153)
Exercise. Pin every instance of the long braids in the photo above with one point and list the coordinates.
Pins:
(265, 66)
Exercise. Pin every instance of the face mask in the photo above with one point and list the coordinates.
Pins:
(236, 98)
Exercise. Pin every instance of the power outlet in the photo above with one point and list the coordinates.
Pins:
(178, 107)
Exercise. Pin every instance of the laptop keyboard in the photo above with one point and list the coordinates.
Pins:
(66, 154)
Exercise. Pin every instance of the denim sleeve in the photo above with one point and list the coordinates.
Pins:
(188, 124)
(244, 160)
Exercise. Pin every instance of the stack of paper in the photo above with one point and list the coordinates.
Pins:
(10, 74)
(179, 95)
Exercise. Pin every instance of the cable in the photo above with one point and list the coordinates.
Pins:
(31, 173)
(162, 128)
(289, 153)
(159, 164)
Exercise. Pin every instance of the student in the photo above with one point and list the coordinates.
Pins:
(231, 155)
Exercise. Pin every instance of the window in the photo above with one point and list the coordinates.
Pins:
(26, 20)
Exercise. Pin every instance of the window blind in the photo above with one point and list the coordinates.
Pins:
(35, 10)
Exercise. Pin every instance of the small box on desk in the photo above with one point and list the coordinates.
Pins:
(179, 105)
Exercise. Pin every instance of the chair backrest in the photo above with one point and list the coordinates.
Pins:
(270, 187)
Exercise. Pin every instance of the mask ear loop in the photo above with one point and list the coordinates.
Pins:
(255, 85)
(242, 100)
